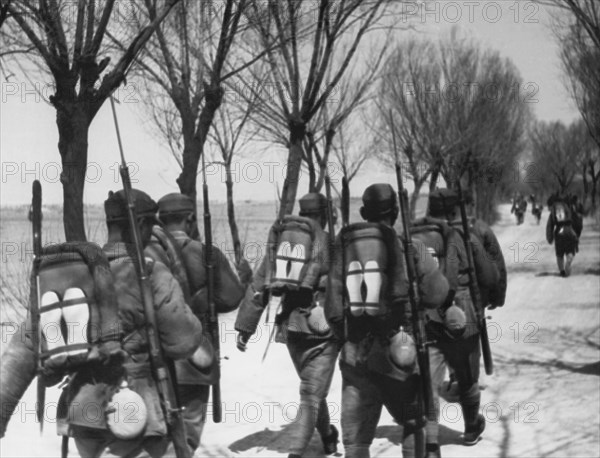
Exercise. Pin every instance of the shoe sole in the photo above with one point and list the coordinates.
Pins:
(471, 443)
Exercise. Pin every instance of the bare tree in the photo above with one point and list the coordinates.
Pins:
(68, 39)
(409, 122)
(581, 62)
(231, 129)
(354, 93)
(588, 164)
(318, 41)
(556, 148)
(186, 65)
(454, 110)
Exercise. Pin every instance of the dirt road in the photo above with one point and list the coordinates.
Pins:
(543, 399)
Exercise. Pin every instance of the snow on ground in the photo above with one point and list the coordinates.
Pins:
(542, 401)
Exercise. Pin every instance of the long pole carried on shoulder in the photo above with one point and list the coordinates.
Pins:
(417, 311)
(486, 351)
(160, 371)
(213, 319)
(36, 222)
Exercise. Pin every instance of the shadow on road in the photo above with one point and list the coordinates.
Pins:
(276, 441)
(586, 369)
(393, 433)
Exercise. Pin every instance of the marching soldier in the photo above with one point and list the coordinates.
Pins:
(368, 307)
(563, 229)
(179, 333)
(301, 325)
(455, 330)
(196, 375)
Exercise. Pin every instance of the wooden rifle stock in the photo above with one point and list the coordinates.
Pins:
(417, 311)
(160, 370)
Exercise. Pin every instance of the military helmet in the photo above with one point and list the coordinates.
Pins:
(379, 201)
(115, 207)
(403, 351)
(312, 203)
(442, 202)
(175, 203)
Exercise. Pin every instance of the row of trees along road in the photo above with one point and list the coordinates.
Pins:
(220, 74)
(456, 112)
(566, 158)
(186, 58)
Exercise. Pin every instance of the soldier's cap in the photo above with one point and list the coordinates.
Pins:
(442, 202)
(312, 203)
(379, 200)
(175, 203)
(115, 207)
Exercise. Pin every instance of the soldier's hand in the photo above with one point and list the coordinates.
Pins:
(242, 341)
(244, 271)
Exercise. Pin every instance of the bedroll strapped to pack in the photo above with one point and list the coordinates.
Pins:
(293, 255)
(77, 310)
(367, 264)
(486, 268)
(164, 248)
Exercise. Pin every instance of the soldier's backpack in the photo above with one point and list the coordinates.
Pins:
(434, 234)
(295, 255)
(73, 308)
(369, 260)
(561, 212)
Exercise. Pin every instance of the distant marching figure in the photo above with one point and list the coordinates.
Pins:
(536, 210)
(563, 227)
(519, 207)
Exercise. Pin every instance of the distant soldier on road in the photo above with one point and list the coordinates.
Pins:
(519, 207)
(563, 229)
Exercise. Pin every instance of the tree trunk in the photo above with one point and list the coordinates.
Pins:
(73, 126)
(594, 176)
(312, 176)
(434, 179)
(414, 199)
(294, 162)
(235, 235)
(193, 149)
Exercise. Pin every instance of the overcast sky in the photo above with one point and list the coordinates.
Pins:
(28, 134)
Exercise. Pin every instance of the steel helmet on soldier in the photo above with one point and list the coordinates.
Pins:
(115, 207)
(312, 203)
(379, 201)
(175, 203)
(403, 351)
